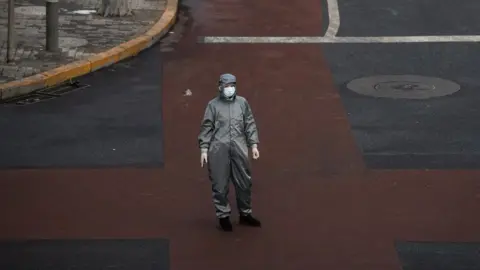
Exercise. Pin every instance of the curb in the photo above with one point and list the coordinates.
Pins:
(104, 59)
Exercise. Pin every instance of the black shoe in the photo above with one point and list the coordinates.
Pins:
(225, 224)
(249, 220)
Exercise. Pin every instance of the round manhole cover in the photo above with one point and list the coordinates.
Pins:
(31, 10)
(403, 86)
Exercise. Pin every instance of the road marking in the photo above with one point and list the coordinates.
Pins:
(333, 18)
(420, 154)
(392, 39)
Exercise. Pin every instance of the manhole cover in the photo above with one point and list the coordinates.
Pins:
(403, 86)
(31, 10)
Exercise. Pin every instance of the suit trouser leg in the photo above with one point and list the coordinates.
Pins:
(242, 181)
(219, 174)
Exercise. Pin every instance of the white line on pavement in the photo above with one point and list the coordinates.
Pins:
(392, 39)
(333, 18)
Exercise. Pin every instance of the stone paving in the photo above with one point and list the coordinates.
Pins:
(81, 35)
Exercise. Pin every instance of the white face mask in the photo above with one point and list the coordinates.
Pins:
(229, 91)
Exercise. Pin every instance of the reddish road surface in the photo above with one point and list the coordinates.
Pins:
(321, 207)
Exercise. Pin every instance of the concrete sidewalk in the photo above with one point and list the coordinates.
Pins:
(81, 36)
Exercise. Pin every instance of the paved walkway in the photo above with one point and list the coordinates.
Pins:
(81, 35)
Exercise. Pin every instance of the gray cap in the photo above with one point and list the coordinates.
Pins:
(227, 78)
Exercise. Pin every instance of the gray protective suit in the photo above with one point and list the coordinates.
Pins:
(228, 129)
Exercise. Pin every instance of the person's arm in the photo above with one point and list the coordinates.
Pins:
(251, 130)
(206, 129)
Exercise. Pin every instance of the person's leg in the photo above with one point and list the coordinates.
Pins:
(219, 174)
(242, 181)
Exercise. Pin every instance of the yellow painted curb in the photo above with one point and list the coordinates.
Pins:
(81, 67)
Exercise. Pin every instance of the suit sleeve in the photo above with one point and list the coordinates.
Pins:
(206, 128)
(251, 130)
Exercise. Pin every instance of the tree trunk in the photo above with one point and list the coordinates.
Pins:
(108, 8)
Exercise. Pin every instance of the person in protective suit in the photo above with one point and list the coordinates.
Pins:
(227, 131)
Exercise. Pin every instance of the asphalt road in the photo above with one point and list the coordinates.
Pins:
(408, 18)
(437, 133)
(115, 122)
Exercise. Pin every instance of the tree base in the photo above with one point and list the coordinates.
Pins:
(115, 8)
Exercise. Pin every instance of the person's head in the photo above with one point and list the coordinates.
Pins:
(227, 85)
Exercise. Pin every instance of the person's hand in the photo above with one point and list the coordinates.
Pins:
(255, 152)
(203, 158)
